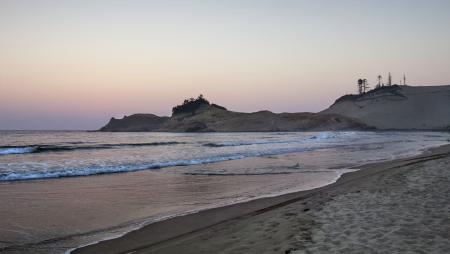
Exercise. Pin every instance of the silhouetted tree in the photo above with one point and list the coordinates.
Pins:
(379, 81)
(365, 85)
(360, 86)
(190, 105)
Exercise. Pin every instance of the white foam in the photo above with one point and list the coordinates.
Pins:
(17, 150)
(72, 172)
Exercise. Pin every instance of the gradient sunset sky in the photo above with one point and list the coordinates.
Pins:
(74, 64)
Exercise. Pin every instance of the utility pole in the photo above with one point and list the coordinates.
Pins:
(379, 81)
(404, 79)
(389, 80)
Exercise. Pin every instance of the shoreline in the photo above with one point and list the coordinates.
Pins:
(166, 232)
(191, 212)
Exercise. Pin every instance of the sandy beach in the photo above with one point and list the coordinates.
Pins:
(399, 206)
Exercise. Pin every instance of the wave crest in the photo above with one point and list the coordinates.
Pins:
(17, 150)
(73, 172)
(6, 150)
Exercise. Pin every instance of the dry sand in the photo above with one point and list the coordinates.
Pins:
(400, 206)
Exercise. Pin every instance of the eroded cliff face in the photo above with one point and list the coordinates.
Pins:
(398, 107)
(210, 118)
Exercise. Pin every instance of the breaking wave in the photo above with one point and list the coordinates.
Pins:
(97, 170)
(6, 150)
(246, 143)
(72, 172)
(17, 150)
(320, 136)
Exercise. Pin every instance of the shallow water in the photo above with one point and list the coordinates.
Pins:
(59, 186)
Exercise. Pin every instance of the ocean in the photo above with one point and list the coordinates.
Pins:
(63, 189)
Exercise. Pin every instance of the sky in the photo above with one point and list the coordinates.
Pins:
(76, 64)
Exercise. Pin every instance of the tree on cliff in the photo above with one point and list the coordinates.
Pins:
(190, 105)
(362, 86)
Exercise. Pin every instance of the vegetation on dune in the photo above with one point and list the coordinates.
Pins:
(353, 97)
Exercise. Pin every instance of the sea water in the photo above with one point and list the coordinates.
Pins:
(60, 190)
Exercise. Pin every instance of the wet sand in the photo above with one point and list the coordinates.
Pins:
(400, 206)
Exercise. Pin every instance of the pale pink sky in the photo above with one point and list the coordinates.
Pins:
(74, 64)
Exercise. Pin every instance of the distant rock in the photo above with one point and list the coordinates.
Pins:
(398, 107)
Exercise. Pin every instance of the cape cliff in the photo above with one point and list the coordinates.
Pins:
(212, 119)
(200, 116)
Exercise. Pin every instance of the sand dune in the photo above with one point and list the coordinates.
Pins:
(398, 107)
